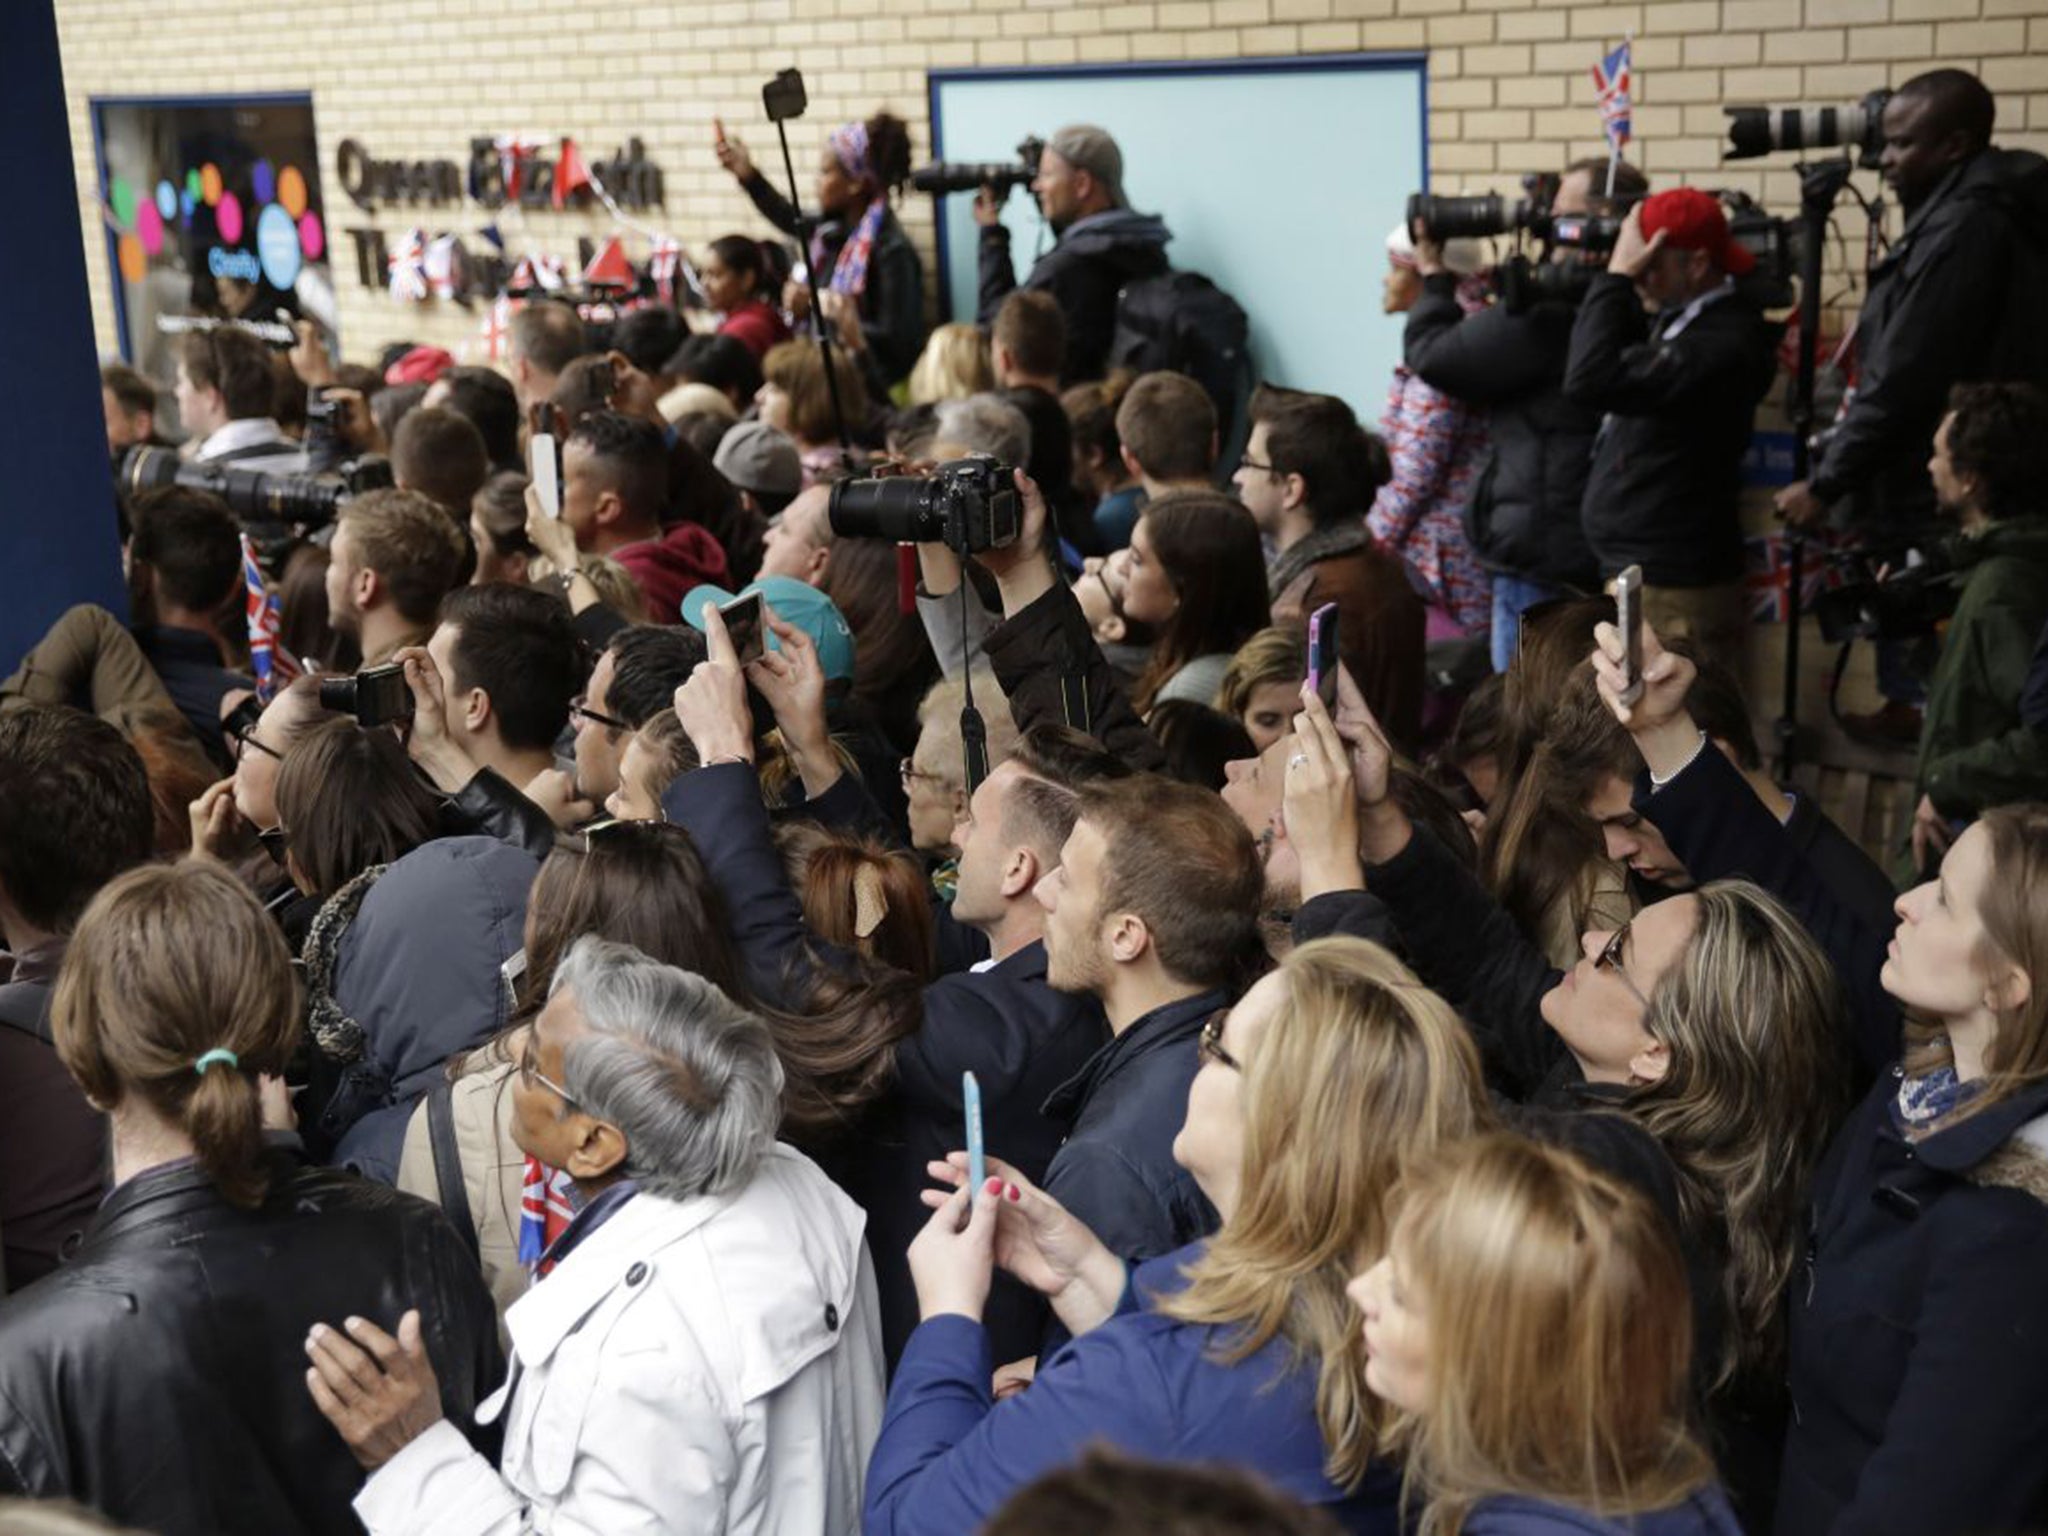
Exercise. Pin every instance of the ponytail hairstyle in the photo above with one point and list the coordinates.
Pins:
(172, 966)
(1209, 550)
(889, 152)
(738, 253)
(860, 895)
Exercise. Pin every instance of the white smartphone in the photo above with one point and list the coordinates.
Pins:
(1628, 618)
(544, 463)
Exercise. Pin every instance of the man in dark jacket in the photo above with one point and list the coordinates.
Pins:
(1961, 295)
(1099, 246)
(1523, 518)
(74, 812)
(1680, 393)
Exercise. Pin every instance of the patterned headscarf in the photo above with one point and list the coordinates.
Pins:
(850, 271)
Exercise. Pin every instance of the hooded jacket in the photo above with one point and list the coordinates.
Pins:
(1085, 271)
(665, 569)
(1973, 698)
(407, 979)
(1523, 514)
(1963, 295)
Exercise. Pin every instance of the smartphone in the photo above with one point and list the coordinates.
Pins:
(1322, 654)
(742, 618)
(977, 1150)
(544, 460)
(1628, 618)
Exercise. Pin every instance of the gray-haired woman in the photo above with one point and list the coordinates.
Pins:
(705, 1355)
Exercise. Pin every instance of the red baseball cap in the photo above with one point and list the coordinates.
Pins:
(422, 365)
(1692, 220)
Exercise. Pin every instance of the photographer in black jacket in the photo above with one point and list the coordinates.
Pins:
(1523, 518)
(1101, 245)
(1680, 391)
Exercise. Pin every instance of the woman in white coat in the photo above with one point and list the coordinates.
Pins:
(704, 1354)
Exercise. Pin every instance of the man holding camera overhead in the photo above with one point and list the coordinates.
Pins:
(1101, 244)
(1679, 390)
(1508, 360)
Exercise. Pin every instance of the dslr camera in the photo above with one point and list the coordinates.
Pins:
(967, 504)
(1902, 606)
(1452, 218)
(255, 495)
(1754, 131)
(375, 696)
(944, 176)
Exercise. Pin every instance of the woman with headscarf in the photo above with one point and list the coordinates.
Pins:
(858, 251)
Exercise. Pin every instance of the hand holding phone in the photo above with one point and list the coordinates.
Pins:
(977, 1149)
(742, 618)
(544, 460)
(1323, 655)
(1628, 618)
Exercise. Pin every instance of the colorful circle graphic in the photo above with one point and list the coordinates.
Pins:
(228, 216)
(263, 181)
(291, 190)
(277, 246)
(133, 261)
(149, 228)
(194, 187)
(209, 183)
(166, 201)
(122, 195)
(312, 238)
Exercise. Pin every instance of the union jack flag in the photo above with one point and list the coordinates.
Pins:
(1611, 78)
(544, 1212)
(273, 664)
(1767, 576)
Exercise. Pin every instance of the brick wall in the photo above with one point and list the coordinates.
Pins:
(1509, 83)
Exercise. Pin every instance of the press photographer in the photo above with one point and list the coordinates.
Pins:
(1679, 391)
(1523, 518)
(1962, 294)
(1099, 246)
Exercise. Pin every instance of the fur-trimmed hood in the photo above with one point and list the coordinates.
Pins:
(2020, 1163)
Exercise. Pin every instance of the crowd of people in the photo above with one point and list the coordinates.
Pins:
(682, 1017)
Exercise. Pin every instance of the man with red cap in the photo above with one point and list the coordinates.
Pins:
(1676, 353)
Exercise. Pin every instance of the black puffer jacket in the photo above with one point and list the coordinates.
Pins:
(160, 1375)
(1963, 295)
(1523, 517)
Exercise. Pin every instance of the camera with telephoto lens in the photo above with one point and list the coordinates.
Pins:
(967, 504)
(943, 176)
(256, 495)
(1475, 218)
(1754, 131)
(375, 696)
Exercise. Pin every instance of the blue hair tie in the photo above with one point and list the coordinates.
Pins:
(216, 1054)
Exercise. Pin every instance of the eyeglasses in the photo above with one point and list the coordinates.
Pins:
(1609, 958)
(274, 841)
(1210, 1042)
(245, 738)
(530, 1073)
(613, 722)
(1116, 602)
(912, 774)
(1251, 463)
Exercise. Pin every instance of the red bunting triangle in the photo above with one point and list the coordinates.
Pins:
(571, 176)
(609, 268)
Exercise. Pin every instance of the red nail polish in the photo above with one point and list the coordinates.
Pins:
(1015, 1193)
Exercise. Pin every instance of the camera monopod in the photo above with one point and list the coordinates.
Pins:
(784, 98)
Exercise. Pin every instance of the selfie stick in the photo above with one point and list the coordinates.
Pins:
(805, 227)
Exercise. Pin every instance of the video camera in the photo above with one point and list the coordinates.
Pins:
(256, 495)
(1754, 131)
(1902, 606)
(967, 504)
(943, 176)
(375, 696)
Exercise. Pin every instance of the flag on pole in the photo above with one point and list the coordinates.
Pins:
(544, 1212)
(273, 665)
(1612, 79)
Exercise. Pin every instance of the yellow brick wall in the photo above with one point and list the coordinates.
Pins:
(1509, 82)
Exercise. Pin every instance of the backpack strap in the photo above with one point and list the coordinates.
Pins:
(448, 1164)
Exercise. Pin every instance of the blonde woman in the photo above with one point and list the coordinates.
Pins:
(954, 364)
(1261, 689)
(1529, 1321)
(1316, 1092)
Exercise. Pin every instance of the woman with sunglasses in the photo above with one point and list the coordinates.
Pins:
(1918, 1359)
(1711, 1020)
(1316, 1092)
